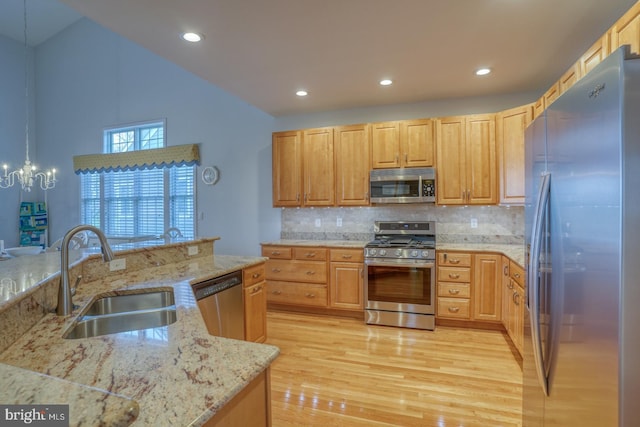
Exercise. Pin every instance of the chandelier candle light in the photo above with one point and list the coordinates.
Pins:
(28, 174)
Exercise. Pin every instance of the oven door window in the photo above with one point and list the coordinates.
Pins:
(390, 189)
(400, 284)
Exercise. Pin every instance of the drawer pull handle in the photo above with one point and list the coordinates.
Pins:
(275, 253)
(276, 292)
(276, 270)
(505, 270)
(516, 275)
(454, 261)
(454, 291)
(257, 289)
(347, 256)
(510, 285)
(310, 273)
(256, 275)
(516, 298)
(310, 295)
(454, 309)
(310, 254)
(454, 276)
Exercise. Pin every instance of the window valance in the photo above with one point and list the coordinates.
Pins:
(177, 155)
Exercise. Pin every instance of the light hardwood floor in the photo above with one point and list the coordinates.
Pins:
(341, 372)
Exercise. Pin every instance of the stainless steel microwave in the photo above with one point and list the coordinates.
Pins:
(403, 185)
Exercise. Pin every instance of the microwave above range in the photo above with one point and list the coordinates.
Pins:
(403, 185)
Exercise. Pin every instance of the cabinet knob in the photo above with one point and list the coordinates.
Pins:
(454, 276)
(256, 275)
(256, 289)
(347, 256)
(454, 309)
(454, 261)
(516, 275)
(276, 270)
(310, 295)
(310, 273)
(454, 291)
(276, 292)
(275, 253)
(310, 254)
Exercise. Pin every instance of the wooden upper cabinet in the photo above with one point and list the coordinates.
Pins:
(417, 143)
(407, 143)
(481, 159)
(551, 94)
(627, 30)
(596, 53)
(570, 77)
(318, 167)
(352, 165)
(538, 107)
(510, 128)
(385, 145)
(287, 168)
(451, 178)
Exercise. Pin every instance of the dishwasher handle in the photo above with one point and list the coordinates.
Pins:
(210, 287)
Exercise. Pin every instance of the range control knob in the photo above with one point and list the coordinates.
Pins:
(372, 251)
(398, 252)
(425, 254)
(383, 252)
(414, 253)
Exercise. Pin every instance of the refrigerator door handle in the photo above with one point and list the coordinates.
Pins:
(533, 290)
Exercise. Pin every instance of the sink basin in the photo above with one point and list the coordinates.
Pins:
(123, 313)
(130, 302)
(91, 326)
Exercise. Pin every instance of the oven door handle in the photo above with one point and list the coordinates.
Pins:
(377, 263)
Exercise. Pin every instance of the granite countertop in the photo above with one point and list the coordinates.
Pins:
(514, 252)
(172, 375)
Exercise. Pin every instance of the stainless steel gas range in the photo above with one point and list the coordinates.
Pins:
(400, 274)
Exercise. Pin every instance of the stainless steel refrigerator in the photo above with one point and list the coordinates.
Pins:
(582, 213)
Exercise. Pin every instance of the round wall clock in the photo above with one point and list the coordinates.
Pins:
(210, 175)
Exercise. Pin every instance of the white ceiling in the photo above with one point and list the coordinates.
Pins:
(263, 51)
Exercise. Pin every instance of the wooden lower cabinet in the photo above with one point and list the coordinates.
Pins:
(250, 407)
(346, 281)
(255, 303)
(468, 287)
(304, 277)
(513, 303)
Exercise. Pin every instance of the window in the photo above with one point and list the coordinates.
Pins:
(139, 202)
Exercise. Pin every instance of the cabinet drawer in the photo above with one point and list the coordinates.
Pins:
(517, 273)
(454, 290)
(454, 274)
(297, 293)
(297, 271)
(311, 254)
(454, 259)
(277, 252)
(347, 255)
(456, 308)
(253, 275)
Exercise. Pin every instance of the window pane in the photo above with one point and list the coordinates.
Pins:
(182, 200)
(151, 137)
(90, 199)
(121, 142)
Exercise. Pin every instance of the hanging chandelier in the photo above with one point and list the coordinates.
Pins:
(28, 175)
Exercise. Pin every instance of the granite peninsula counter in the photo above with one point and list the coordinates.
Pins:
(174, 375)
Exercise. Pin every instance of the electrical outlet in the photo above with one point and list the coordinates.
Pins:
(474, 222)
(118, 264)
(318, 222)
(192, 250)
(339, 222)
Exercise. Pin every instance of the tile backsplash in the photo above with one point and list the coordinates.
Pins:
(495, 224)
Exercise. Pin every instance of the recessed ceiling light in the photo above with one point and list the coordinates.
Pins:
(386, 82)
(483, 71)
(192, 37)
(302, 93)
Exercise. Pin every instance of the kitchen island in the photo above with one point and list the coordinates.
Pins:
(171, 375)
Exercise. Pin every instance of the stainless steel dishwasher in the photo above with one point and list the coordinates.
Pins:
(220, 302)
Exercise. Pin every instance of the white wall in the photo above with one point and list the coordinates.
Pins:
(12, 131)
(89, 78)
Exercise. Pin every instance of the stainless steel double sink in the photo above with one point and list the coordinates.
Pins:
(126, 312)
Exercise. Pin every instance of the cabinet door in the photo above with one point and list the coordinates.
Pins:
(510, 128)
(450, 161)
(481, 160)
(287, 168)
(385, 145)
(416, 143)
(255, 313)
(570, 77)
(318, 167)
(595, 54)
(551, 94)
(627, 30)
(352, 165)
(487, 294)
(346, 286)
